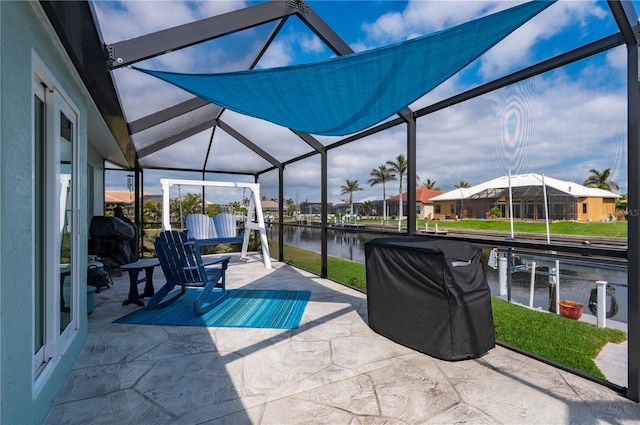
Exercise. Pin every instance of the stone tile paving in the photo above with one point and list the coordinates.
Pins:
(333, 369)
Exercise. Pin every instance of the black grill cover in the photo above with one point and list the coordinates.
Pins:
(112, 237)
(111, 228)
(431, 295)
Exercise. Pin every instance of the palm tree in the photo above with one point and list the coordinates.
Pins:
(350, 187)
(152, 212)
(621, 202)
(367, 206)
(461, 184)
(382, 174)
(430, 185)
(182, 206)
(290, 206)
(399, 166)
(192, 203)
(601, 180)
(213, 209)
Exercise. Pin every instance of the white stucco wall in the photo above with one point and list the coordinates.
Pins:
(23, 29)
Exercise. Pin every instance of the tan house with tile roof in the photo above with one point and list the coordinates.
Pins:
(124, 198)
(270, 207)
(424, 204)
(118, 197)
(565, 200)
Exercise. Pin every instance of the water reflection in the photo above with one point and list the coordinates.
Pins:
(339, 244)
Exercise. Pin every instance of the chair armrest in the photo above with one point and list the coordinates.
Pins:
(224, 260)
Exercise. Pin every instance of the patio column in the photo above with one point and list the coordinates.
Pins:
(281, 212)
(411, 175)
(627, 20)
(633, 254)
(323, 213)
(138, 209)
(204, 194)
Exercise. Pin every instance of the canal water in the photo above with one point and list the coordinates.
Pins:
(575, 286)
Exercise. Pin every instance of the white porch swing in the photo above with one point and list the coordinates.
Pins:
(254, 211)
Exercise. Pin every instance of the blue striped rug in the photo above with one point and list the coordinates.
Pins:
(240, 308)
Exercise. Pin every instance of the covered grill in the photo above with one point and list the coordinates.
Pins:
(113, 238)
(431, 295)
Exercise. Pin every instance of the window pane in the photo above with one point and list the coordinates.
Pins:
(66, 221)
(39, 224)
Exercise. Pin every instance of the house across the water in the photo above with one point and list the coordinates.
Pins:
(565, 200)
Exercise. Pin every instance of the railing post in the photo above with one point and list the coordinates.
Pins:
(509, 272)
(532, 284)
(602, 303)
(503, 266)
(554, 287)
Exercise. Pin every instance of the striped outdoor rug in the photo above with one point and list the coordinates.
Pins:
(240, 308)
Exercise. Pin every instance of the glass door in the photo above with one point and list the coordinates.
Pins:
(56, 298)
(39, 227)
(68, 286)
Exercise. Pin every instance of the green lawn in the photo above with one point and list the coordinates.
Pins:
(351, 273)
(614, 229)
(569, 342)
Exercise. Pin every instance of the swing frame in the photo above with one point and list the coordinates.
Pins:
(255, 206)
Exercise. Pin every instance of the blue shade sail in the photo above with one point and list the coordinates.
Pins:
(346, 94)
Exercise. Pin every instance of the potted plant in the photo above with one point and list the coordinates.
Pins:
(570, 309)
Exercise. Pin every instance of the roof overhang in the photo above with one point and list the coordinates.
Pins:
(77, 28)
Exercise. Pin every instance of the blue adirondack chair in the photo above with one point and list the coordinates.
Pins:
(183, 266)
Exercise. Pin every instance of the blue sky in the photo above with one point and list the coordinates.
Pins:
(561, 124)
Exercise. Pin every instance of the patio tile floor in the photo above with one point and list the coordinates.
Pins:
(333, 369)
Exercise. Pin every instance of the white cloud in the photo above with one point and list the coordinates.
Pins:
(278, 141)
(287, 48)
(565, 124)
(278, 54)
(424, 17)
(122, 20)
(387, 27)
(516, 48)
(617, 58)
(133, 85)
(311, 44)
(208, 8)
(572, 122)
